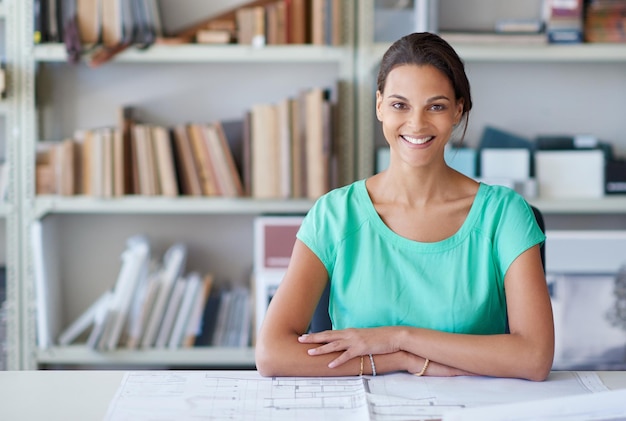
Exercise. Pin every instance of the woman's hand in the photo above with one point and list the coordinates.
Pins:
(353, 342)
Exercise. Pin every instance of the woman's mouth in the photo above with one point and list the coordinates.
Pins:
(417, 140)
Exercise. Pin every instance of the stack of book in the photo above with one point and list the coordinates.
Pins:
(161, 306)
(142, 159)
(605, 21)
(565, 22)
(117, 23)
(277, 150)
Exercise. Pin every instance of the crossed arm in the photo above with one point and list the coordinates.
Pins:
(283, 348)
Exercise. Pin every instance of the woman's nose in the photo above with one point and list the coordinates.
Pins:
(416, 119)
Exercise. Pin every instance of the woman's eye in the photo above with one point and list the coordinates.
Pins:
(398, 106)
(437, 107)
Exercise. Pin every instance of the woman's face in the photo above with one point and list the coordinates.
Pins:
(418, 111)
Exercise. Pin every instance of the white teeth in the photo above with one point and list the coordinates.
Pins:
(417, 140)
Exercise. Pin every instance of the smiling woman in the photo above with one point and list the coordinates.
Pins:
(426, 267)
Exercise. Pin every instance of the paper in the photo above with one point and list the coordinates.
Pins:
(603, 406)
(245, 395)
(186, 395)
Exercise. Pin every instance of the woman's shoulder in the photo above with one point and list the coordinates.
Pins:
(494, 193)
(344, 195)
(341, 206)
(500, 202)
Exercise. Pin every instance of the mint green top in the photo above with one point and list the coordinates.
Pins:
(379, 278)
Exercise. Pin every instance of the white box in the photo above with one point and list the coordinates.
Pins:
(570, 174)
(274, 237)
(511, 163)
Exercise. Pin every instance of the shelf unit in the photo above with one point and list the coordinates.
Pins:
(67, 217)
(354, 64)
(10, 214)
(79, 356)
(370, 52)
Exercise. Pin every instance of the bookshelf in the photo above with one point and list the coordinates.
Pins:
(10, 215)
(200, 83)
(495, 74)
(49, 98)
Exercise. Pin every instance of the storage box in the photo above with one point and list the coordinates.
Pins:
(511, 163)
(462, 159)
(570, 174)
(274, 238)
(615, 176)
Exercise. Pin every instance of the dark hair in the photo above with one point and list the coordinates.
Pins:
(424, 48)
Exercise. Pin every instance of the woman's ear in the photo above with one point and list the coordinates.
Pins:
(458, 115)
(379, 100)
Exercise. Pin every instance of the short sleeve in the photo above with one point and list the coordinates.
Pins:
(517, 230)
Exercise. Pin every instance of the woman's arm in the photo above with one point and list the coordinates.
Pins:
(527, 352)
(278, 351)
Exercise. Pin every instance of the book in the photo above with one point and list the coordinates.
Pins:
(118, 170)
(298, 142)
(107, 162)
(219, 334)
(226, 175)
(203, 161)
(135, 259)
(209, 318)
(173, 266)
(87, 319)
(213, 36)
(66, 162)
(171, 312)
(40, 21)
(284, 144)
(148, 177)
(229, 142)
(111, 23)
(317, 148)
(88, 18)
(264, 152)
(201, 300)
(125, 182)
(276, 19)
(47, 284)
(164, 161)
(191, 291)
(298, 30)
(141, 309)
(95, 338)
(319, 17)
(188, 173)
(46, 168)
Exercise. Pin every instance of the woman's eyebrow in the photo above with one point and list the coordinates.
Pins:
(429, 100)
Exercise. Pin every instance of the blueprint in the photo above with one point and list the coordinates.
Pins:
(245, 395)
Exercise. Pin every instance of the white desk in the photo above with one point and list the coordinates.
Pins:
(85, 395)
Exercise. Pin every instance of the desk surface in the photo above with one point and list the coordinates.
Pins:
(85, 395)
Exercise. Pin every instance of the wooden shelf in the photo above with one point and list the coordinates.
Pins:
(188, 53)
(165, 205)
(210, 357)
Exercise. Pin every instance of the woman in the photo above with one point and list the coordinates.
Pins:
(430, 272)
